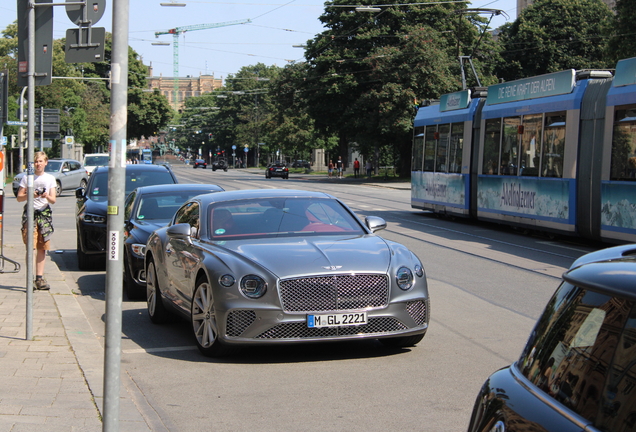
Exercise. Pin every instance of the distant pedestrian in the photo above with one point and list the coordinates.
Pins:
(339, 166)
(44, 187)
(330, 168)
(369, 168)
(356, 168)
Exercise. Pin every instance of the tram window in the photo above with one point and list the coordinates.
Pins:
(531, 145)
(510, 146)
(456, 148)
(441, 155)
(429, 148)
(624, 144)
(491, 147)
(418, 149)
(553, 145)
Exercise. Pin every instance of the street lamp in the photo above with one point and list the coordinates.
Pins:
(172, 3)
(368, 9)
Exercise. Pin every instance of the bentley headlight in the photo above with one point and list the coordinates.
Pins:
(253, 286)
(227, 280)
(404, 278)
(419, 271)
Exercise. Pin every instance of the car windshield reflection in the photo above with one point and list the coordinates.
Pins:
(281, 217)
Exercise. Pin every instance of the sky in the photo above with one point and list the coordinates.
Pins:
(275, 27)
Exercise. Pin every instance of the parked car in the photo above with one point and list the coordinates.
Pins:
(330, 278)
(146, 209)
(300, 164)
(219, 163)
(578, 369)
(200, 163)
(69, 175)
(93, 160)
(92, 202)
(277, 169)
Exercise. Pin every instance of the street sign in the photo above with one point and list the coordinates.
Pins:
(233, 147)
(43, 43)
(48, 127)
(246, 149)
(79, 49)
(17, 123)
(47, 143)
(94, 12)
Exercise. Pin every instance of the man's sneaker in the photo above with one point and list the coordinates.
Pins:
(42, 284)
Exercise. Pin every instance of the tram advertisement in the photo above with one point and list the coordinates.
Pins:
(545, 199)
(449, 189)
(618, 213)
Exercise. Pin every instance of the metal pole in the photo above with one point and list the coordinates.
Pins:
(29, 192)
(41, 128)
(21, 143)
(115, 224)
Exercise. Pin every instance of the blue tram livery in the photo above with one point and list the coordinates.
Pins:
(555, 153)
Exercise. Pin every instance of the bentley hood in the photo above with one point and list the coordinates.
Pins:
(289, 257)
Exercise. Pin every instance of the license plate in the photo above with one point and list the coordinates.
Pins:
(279, 170)
(336, 319)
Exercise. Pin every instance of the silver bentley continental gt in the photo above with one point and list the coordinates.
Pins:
(283, 266)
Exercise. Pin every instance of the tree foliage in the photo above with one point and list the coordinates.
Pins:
(622, 43)
(554, 35)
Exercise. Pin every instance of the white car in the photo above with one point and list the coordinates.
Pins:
(69, 175)
(93, 160)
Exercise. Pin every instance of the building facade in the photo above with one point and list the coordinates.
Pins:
(186, 87)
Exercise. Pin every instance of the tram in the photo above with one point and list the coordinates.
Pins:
(555, 153)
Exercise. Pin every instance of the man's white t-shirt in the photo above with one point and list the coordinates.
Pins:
(45, 180)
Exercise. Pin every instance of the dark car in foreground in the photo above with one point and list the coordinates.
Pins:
(283, 266)
(200, 163)
(146, 209)
(69, 175)
(277, 169)
(92, 203)
(578, 369)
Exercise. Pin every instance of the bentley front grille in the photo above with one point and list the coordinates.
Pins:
(334, 293)
(238, 321)
(299, 330)
(417, 311)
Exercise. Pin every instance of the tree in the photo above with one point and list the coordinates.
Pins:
(622, 44)
(366, 71)
(555, 35)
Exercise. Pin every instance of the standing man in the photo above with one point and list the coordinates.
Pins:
(356, 168)
(44, 195)
(339, 166)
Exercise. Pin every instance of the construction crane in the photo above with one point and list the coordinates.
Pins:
(175, 32)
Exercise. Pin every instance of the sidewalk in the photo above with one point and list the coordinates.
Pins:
(55, 381)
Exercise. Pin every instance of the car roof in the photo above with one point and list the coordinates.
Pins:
(611, 271)
(178, 187)
(136, 167)
(261, 193)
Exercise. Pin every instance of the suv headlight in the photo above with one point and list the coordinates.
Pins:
(93, 218)
(138, 249)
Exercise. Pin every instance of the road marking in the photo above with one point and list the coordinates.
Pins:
(157, 350)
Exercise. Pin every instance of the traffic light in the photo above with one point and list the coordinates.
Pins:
(14, 139)
(23, 140)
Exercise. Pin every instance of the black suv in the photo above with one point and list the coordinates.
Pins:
(92, 203)
(219, 163)
(578, 369)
